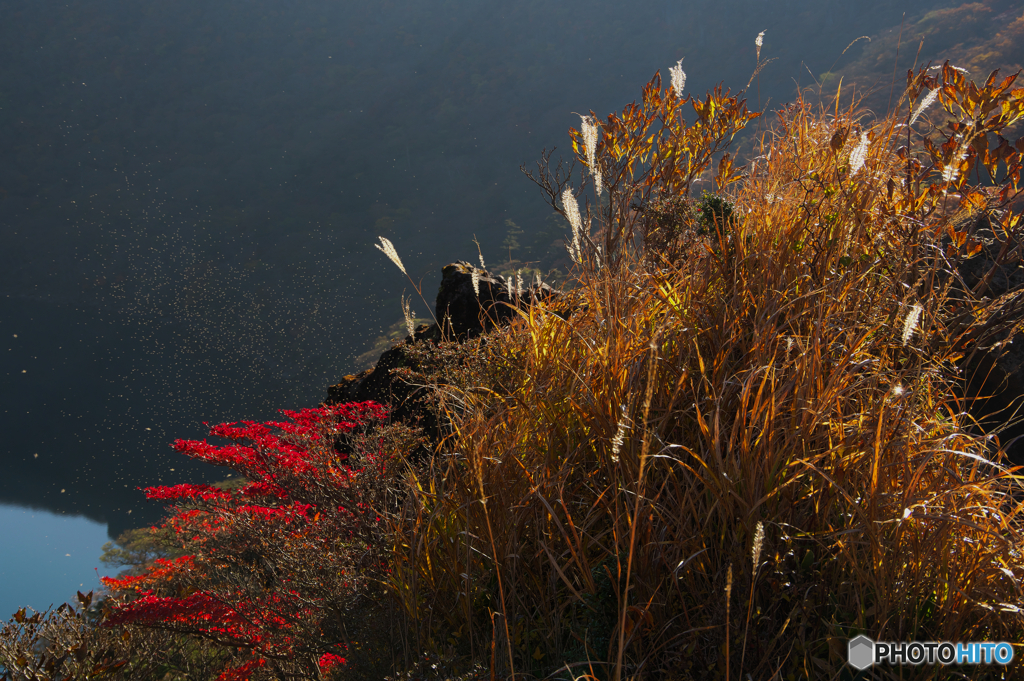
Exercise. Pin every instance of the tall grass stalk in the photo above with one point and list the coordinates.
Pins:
(728, 626)
(387, 248)
(755, 557)
(652, 366)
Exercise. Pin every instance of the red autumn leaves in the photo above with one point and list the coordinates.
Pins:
(272, 565)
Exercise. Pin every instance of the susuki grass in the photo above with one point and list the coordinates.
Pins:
(764, 413)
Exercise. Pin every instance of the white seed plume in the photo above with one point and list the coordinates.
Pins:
(519, 284)
(950, 173)
(678, 78)
(537, 282)
(571, 249)
(755, 551)
(952, 170)
(590, 138)
(482, 265)
(508, 287)
(407, 312)
(388, 249)
(476, 281)
(859, 154)
(955, 68)
(925, 103)
(572, 211)
(590, 144)
(910, 323)
(758, 42)
(619, 439)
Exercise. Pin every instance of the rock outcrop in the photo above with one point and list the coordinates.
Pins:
(994, 371)
(463, 314)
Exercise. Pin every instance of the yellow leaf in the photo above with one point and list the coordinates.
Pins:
(537, 654)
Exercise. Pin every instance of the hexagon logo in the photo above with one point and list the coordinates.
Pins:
(861, 652)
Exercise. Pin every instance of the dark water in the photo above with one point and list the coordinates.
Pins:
(190, 191)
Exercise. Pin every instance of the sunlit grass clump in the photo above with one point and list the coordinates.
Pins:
(733, 453)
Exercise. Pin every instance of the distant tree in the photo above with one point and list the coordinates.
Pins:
(138, 549)
(511, 243)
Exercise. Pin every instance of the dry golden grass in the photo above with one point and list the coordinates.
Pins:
(730, 463)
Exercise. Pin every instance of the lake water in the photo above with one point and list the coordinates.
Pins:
(190, 193)
(46, 558)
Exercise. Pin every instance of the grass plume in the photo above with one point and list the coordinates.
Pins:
(859, 154)
(572, 212)
(910, 323)
(923, 106)
(410, 325)
(590, 131)
(387, 248)
(678, 78)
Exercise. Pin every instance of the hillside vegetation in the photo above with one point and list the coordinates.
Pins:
(736, 441)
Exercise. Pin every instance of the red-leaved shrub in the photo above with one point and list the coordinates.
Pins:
(273, 567)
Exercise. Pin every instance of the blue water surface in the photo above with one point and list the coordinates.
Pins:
(45, 558)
